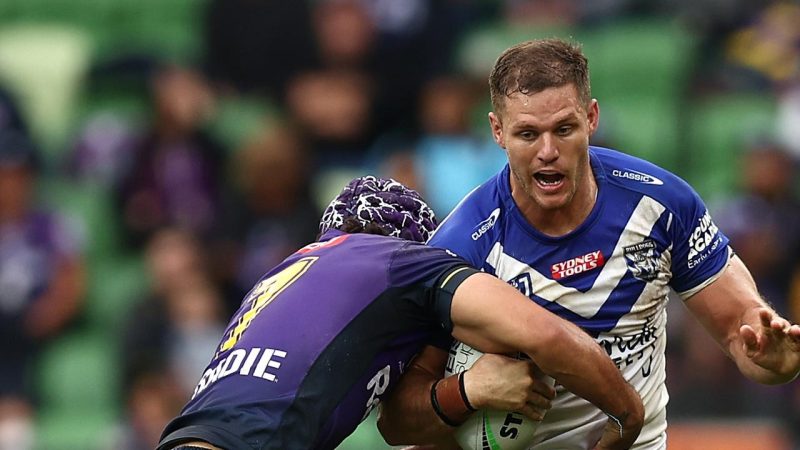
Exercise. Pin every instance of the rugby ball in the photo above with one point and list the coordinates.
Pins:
(489, 429)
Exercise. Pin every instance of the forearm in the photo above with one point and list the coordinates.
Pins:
(493, 317)
(406, 415)
(576, 361)
(730, 310)
(411, 419)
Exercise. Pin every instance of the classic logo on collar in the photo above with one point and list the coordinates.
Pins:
(578, 264)
(634, 175)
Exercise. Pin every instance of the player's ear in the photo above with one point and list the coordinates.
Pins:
(593, 115)
(497, 129)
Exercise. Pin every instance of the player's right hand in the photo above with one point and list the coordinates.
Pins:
(507, 384)
(621, 433)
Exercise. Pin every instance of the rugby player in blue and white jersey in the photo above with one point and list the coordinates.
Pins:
(599, 238)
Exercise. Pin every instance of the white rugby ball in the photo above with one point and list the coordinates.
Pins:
(489, 429)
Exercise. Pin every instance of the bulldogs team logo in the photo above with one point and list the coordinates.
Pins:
(642, 259)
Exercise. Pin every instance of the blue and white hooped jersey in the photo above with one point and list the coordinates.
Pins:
(648, 232)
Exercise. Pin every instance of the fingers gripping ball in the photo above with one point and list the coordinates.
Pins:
(488, 429)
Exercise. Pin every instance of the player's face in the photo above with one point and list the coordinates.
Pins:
(546, 137)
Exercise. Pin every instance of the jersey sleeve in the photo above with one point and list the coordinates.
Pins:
(454, 234)
(700, 250)
(442, 341)
(437, 273)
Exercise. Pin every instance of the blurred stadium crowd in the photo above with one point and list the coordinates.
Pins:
(156, 156)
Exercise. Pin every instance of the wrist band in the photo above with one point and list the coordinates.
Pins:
(464, 391)
(449, 400)
(438, 409)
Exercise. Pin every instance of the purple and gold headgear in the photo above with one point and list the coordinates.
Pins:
(400, 211)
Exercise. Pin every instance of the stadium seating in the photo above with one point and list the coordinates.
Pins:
(43, 65)
(237, 119)
(639, 72)
(77, 374)
(719, 128)
(650, 57)
(89, 209)
(645, 127)
(170, 28)
(481, 47)
(116, 284)
(78, 384)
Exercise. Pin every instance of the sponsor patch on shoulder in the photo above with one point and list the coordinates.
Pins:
(635, 175)
(704, 239)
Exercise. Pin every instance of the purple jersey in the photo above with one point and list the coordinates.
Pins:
(318, 341)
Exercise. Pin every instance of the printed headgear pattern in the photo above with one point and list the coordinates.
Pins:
(397, 209)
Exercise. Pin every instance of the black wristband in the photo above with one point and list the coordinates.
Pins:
(464, 391)
(438, 409)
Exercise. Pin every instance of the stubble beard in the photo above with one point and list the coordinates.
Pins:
(539, 201)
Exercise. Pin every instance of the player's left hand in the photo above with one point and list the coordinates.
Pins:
(508, 384)
(773, 344)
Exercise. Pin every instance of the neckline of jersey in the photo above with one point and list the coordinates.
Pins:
(600, 178)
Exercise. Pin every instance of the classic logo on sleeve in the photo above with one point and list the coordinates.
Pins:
(703, 240)
(578, 264)
(486, 225)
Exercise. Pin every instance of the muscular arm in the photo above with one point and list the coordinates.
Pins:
(493, 317)
(493, 382)
(765, 346)
(406, 416)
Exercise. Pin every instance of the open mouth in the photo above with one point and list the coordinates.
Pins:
(548, 179)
